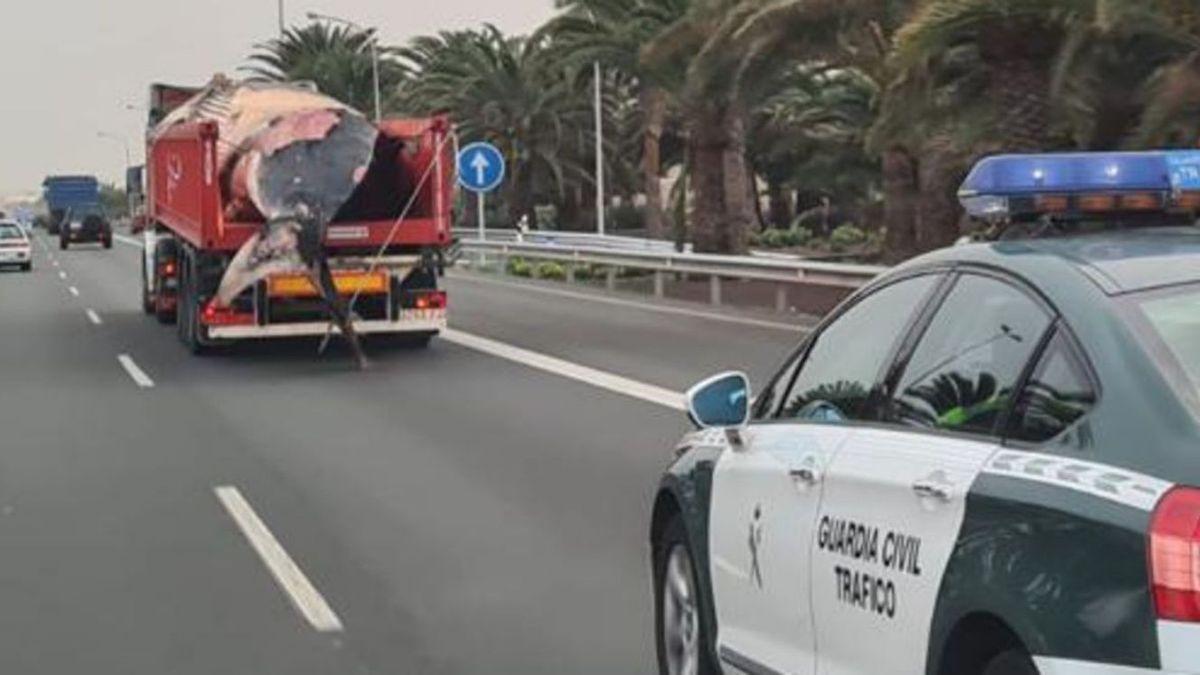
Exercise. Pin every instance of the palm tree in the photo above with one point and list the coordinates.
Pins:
(508, 91)
(809, 135)
(335, 58)
(732, 56)
(611, 32)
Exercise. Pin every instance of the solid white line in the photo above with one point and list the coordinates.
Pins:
(139, 376)
(93, 317)
(663, 309)
(304, 596)
(74, 291)
(130, 241)
(597, 378)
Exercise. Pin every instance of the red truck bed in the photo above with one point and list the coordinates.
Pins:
(186, 195)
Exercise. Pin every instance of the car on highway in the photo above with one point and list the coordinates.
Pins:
(16, 249)
(85, 227)
(986, 462)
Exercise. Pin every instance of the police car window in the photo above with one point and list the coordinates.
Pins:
(1174, 318)
(843, 364)
(10, 232)
(963, 372)
(1057, 395)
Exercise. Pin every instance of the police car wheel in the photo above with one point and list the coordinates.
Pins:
(683, 647)
(1012, 662)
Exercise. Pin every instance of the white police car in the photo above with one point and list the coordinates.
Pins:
(987, 462)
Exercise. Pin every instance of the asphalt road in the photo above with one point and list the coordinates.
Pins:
(447, 511)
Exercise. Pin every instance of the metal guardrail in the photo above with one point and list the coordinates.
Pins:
(717, 268)
(586, 239)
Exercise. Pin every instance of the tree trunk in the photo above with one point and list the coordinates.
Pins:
(900, 193)
(780, 206)
(940, 175)
(654, 111)
(708, 201)
(722, 213)
(739, 207)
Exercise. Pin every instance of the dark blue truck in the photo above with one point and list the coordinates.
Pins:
(76, 213)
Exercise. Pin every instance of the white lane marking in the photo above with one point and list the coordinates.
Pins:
(129, 241)
(573, 371)
(139, 376)
(664, 309)
(61, 274)
(304, 596)
(74, 291)
(93, 317)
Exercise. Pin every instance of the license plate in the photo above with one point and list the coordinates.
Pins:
(76, 226)
(8, 255)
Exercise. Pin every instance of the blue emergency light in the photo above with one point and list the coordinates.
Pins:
(1008, 186)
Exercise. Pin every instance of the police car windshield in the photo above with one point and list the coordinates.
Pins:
(10, 231)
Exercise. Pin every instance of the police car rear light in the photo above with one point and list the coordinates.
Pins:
(1175, 555)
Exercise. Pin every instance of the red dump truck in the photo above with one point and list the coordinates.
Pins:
(389, 264)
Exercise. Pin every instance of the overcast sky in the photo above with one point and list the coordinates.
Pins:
(70, 67)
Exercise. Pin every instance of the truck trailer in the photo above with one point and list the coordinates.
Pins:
(204, 218)
(65, 195)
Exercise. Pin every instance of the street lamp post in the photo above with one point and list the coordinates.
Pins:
(128, 164)
(316, 16)
(598, 105)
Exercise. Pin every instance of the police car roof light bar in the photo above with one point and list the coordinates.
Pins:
(1004, 186)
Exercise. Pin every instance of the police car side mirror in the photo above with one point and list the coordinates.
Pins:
(721, 401)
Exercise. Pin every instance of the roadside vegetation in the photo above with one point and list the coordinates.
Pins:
(819, 125)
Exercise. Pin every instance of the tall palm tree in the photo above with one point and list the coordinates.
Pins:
(611, 32)
(732, 57)
(507, 91)
(982, 77)
(335, 58)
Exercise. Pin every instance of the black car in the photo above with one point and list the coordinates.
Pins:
(90, 227)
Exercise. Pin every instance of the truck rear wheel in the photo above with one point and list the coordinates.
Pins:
(165, 250)
(188, 304)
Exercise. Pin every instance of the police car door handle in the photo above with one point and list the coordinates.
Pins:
(809, 471)
(935, 487)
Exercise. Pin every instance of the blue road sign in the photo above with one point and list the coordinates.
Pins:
(480, 167)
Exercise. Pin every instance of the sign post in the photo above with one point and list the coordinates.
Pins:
(481, 169)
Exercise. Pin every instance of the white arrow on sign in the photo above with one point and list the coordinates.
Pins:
(481, 165)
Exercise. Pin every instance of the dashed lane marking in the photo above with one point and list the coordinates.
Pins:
(94, 317)
(303, 595)
(140, 378)
(567, 369)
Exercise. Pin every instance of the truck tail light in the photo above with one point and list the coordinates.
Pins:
(225, 316)
(429, 300)
(168, 269)
(1175, 555)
